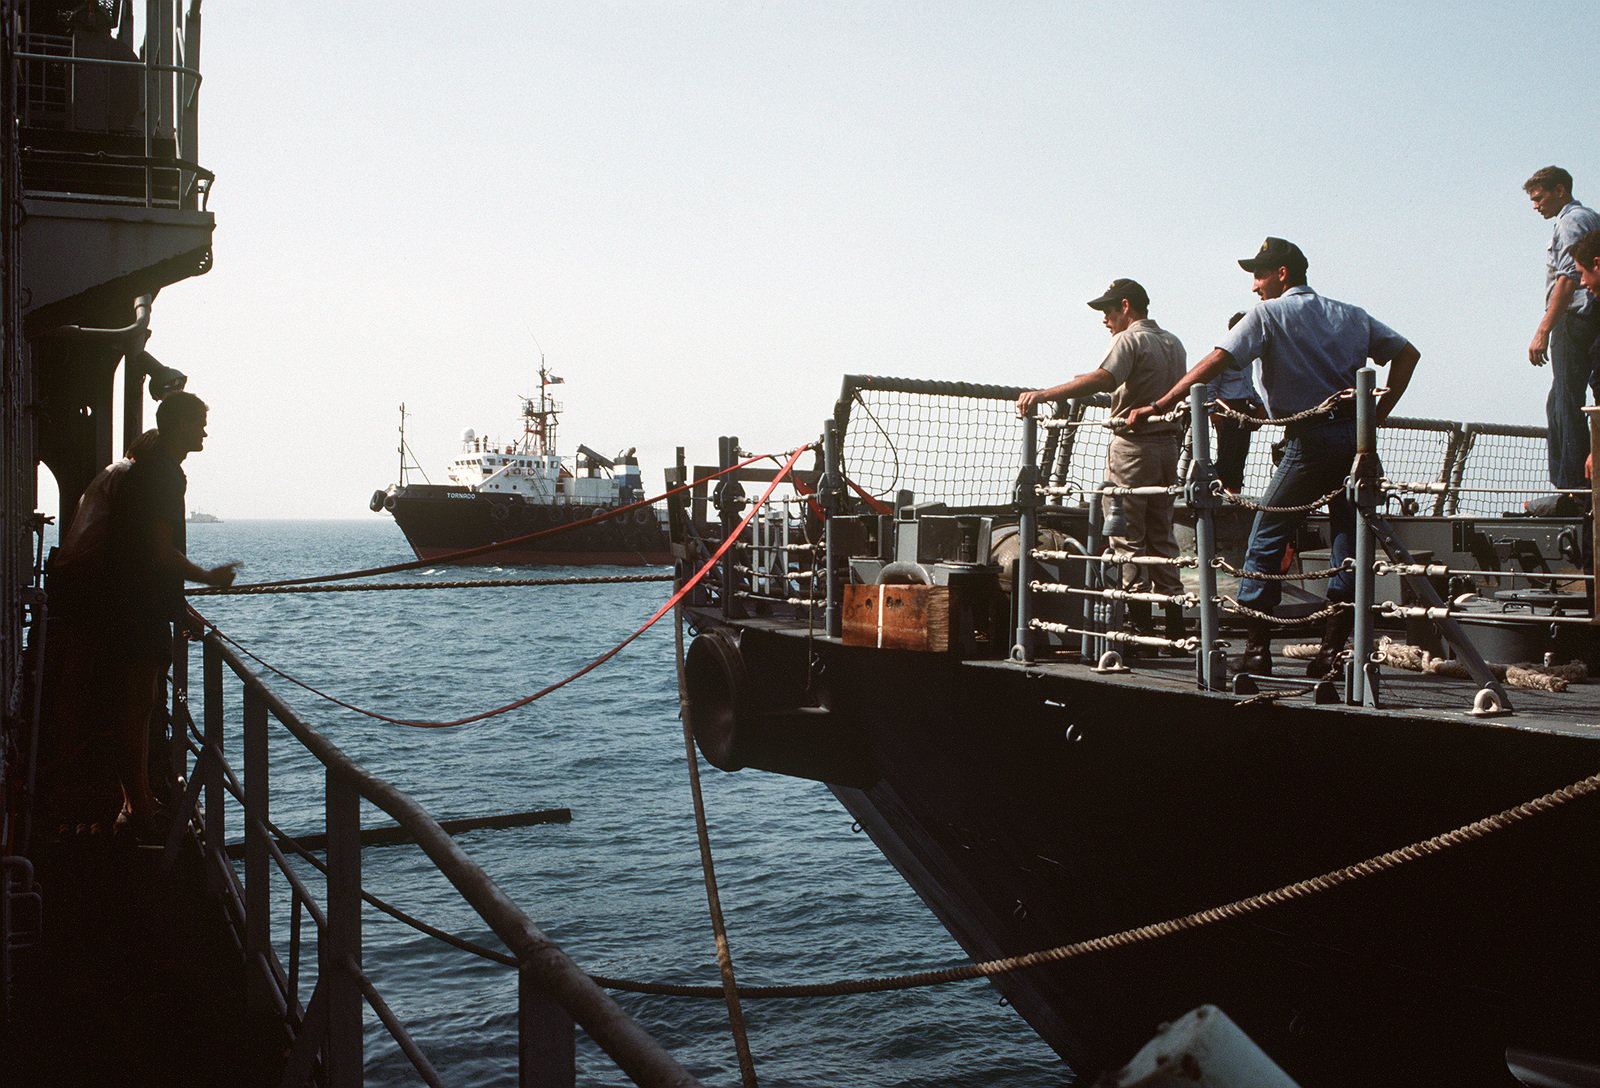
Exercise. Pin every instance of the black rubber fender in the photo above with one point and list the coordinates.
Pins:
(733, 732)
(717, 701)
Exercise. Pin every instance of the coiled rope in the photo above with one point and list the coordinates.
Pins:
(517, 704)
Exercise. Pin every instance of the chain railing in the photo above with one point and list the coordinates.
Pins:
(1368, 492)
(553, 994)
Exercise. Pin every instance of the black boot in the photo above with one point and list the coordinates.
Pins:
(1334, 635)
(1174, 625)
(1257, 657)
(1137, 622)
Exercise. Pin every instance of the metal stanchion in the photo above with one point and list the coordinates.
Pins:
(1027, 499)
(1211, 665)
(1361, 680)
(1094, 612)
(1593, 413)
(726, 496)
(830, 492)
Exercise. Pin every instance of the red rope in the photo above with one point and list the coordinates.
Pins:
(482, 549)
(808, 491)
(877, 506)
(755, 508)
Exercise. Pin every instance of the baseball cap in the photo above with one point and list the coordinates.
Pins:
(1118, 291)
(1275, 253)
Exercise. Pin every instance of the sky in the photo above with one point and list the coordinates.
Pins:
(703, 214)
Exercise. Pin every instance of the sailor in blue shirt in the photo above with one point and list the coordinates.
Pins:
(1306, 348)
(1235, 388)
(1567, 331)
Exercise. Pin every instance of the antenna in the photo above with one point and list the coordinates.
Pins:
(539, 417)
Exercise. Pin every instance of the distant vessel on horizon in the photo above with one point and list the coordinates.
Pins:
(502, 491)
(198, 517)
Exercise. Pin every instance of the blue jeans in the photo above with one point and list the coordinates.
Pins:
(1570, 370)
(1316, 460)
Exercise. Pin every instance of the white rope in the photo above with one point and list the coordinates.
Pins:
(1074, 489)
(1188, 600)
(1134, 560)
(1187, 645)
(1393, 610)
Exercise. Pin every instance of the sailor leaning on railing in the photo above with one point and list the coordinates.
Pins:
(1568, 328)
(1142, 361)
(1585, 254)
(1308, 348)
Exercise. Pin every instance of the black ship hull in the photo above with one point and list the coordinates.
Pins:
(1032, 810)
(439, 521)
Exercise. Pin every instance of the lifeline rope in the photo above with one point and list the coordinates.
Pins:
(1267, 617)
(1133, 560)
(1256, 576)
(264, 589)
(542, 692)
(1248, 504)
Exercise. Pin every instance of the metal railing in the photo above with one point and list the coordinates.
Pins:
(553, 993)
(103, 122)
(1367, 493)
(956, 442)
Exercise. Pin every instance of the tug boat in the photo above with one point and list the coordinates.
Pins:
(920, 620)
(524, 493)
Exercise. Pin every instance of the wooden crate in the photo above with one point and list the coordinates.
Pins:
(904, 617)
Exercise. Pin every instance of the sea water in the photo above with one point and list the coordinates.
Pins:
(806, 898)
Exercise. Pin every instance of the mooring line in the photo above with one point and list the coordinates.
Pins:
(265, 589)
(708, 872)
(485, 549)
(1240, 908)
(525, 700)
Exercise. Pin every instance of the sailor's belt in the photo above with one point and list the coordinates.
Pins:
(1339, 413)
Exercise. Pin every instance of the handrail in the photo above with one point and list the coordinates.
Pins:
(167, 92)
(553, 989)
(109, 62)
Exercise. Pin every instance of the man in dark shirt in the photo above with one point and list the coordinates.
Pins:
(118, 580)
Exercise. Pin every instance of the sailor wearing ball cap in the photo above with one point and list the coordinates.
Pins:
(1306, 348)
(1142, 361)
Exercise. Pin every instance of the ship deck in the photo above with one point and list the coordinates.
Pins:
(1405, 694)
(1575, 711)
(134, 980)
